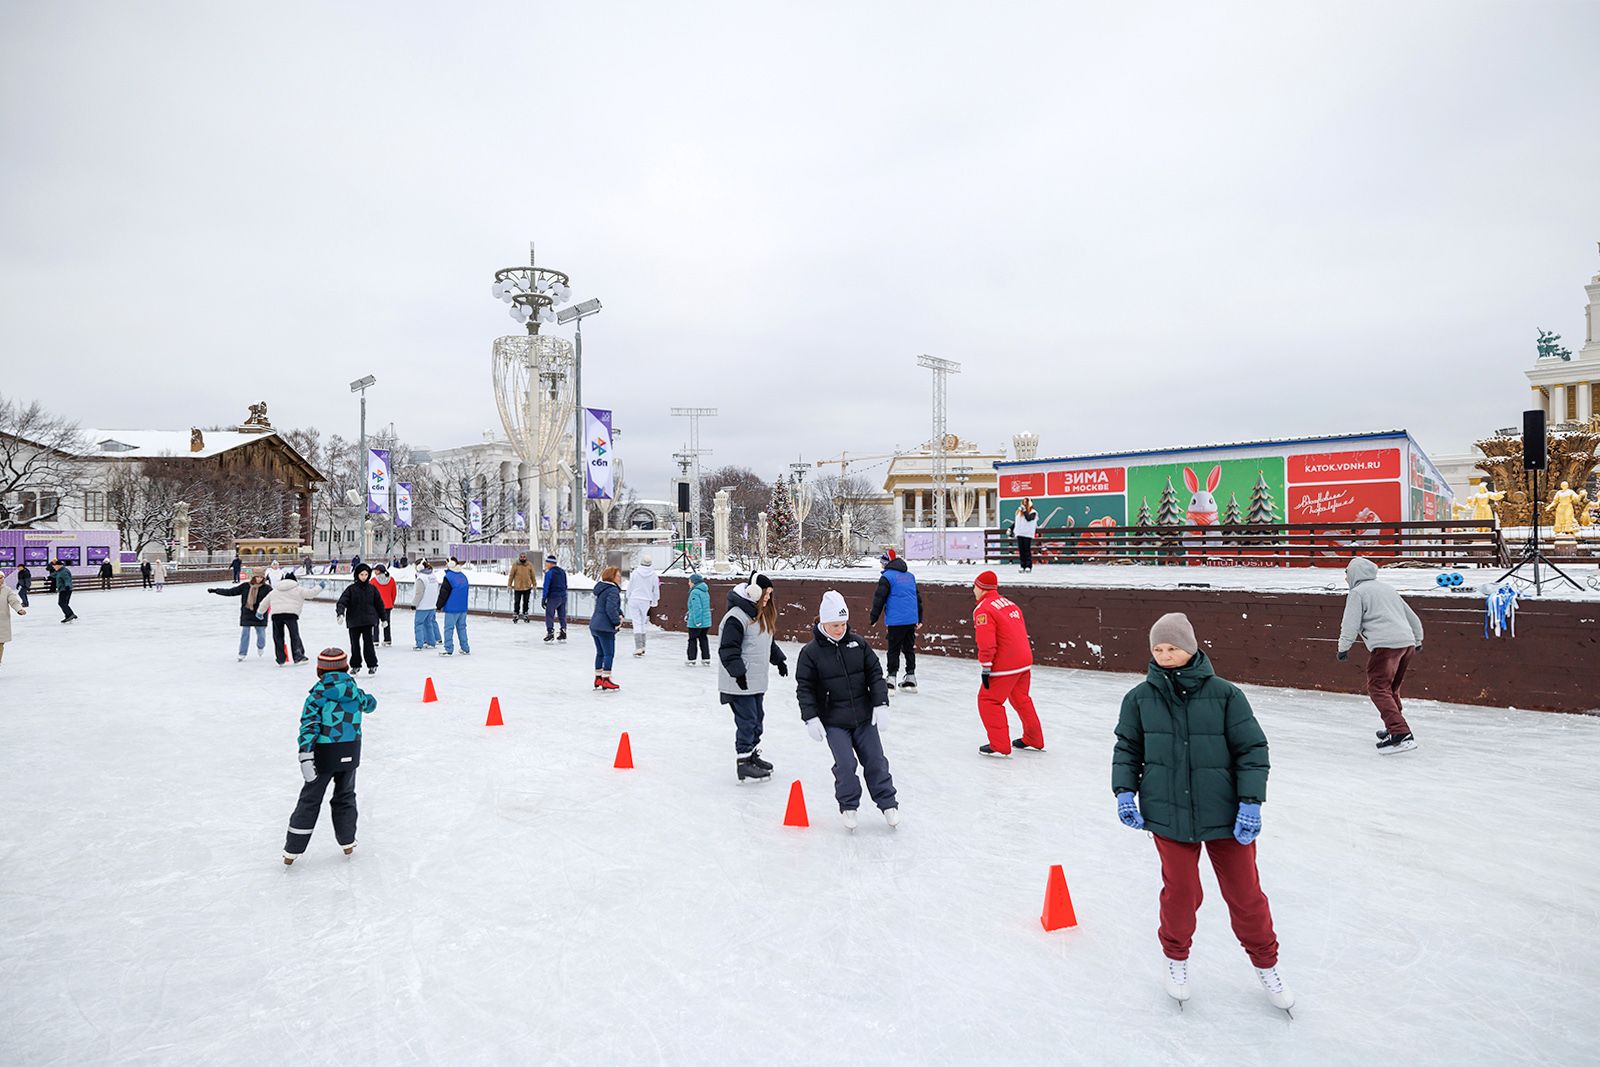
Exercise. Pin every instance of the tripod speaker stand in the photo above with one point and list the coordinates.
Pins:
(1532, 555)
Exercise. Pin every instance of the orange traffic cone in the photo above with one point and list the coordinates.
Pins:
(494, 713)
(796, 815)
(624, 754)
(1058, 913)
(428, 695)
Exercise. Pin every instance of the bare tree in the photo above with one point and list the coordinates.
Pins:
(832, 499)
(142, 499)
(451, 487)
(41, 456)
(748, 500)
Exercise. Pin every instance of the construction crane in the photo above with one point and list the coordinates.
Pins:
(845, 459)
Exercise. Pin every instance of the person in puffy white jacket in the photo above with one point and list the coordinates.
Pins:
(425, 599)
(1385, 623)
(644, 593)
(1023, 527)
(284, 605)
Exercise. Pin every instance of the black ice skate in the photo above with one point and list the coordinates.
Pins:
(1022, 746)
(988, 750)
(548, 638)
(755, 757)
(751, 771)
(562, 636)
(1392, 744)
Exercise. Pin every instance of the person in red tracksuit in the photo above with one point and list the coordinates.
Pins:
(1007, 661)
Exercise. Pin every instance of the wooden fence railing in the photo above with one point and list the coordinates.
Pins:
(1456, 543)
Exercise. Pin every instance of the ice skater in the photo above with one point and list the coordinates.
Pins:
(1006, 657)
(644, 593)
(425, 613)
(283, 606)
(603, 623)
(158, 573)
(1190, 766)
(24, 583)
(521, 582)
(63, 587)
(387, 589)
(10, 601)
(454, 599)
(251, 593)
(1385, 623)
(361, 608)
(330, 751)
(698, 621)
(898, 601)
(1023, 527)
(553, 599)
(844, 701)
(105, 574)
(745, 649)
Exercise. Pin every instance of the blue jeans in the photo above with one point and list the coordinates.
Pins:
(425, 627)
(749, 716)
(244, 638)
(455, 622)
(605, 648)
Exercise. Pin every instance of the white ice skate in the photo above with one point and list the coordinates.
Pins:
(1278, 990)
(1178, 980)
(892, 817)
(849, 817)
(243, 658)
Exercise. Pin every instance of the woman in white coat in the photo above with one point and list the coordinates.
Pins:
(644, 593)
(158, 573)
(9, 602)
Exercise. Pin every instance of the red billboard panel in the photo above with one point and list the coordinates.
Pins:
(1319, 467)
(1345, 502)
(1019, 485)
(1092, 480)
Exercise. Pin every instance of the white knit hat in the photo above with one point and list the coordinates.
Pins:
(647, 559)
(833, 609)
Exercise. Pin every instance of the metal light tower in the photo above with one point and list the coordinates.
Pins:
(694, 415)
(942, 368)
(361, 385)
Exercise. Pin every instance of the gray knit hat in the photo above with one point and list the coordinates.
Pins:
(1174, 629)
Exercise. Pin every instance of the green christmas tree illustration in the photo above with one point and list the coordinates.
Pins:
(1168, 513)
(1231, 517)
(1263, 509)
(1144, 512)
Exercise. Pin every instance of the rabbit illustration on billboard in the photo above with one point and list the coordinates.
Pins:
(1202, 505)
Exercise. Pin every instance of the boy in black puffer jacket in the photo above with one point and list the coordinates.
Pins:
(361, 608)
(843, 700)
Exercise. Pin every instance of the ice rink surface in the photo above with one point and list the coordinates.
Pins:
(516, 900)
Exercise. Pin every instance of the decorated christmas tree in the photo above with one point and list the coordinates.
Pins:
(1144, 512)
(1168, 513)
(1263, 509)
(780, 520)
(1231, 517)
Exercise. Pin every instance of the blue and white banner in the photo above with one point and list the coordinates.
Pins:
(474, 518)
(522, 521)
(377, 481)
(402, 505)
(597, 431)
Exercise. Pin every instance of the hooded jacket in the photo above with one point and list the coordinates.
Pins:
(1026, 524)
(288, 598)
(248, 605)
(387, 589)
(425, 590)
(1189, 745)
(330, 722)
(698, 616)
(1375, 613)
(360, 603)
(521, 577)
(743, 649)
(897, 597)
(607, 614)
(644, 591)
(839, 682)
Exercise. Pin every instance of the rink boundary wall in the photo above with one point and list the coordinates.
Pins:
(1276, 639)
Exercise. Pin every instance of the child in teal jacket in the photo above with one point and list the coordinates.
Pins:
(698, 620)
(330, 751)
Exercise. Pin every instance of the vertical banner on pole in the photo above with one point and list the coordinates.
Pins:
(474, 518)
(522, 521)
(402, 505)
(597, 430)
(377, 481)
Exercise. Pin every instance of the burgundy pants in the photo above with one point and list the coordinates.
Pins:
(1235, 866)
(992, 710)
(1386, 670)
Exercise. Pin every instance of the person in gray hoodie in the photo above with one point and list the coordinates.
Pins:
(1385, 623)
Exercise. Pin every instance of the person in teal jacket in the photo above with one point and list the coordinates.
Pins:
(698, 620)
(63, 587)
(330, 751)
(1191, 766)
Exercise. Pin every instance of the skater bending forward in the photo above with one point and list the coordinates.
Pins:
(745, 649)
(1191, 767)
(844, 699)
(330, 751)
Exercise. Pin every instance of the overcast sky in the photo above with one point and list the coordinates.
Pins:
(1134, 225)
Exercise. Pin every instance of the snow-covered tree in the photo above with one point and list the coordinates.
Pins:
(780, 521)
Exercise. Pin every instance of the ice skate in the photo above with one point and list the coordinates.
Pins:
(755, 757)
(1383, 735)
(892, 817)
(1278, 990)
(851, 819)
(988, 750)
(1022, 746)
(607, 685)
(351, 847)
(562, 636)
(910, 684)
(241, 658)
(893, 681)
(1178, 981)
(750, 771)
(372, 670)
(548, 638)
(1392, 744)
(288, 859)
(638, 652)
(447, 652)
(597, 684)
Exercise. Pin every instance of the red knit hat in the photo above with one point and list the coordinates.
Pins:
(332, 659)
(987, 580)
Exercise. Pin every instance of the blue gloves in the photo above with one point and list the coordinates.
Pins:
(308, 766)
(1247, 826)
(1128, 811)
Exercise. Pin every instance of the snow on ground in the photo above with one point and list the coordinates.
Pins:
(516, 900)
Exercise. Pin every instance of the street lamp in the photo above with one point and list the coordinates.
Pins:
(361, 385)
(580, 480)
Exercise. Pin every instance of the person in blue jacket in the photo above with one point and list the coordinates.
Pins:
(603, 626)
(899, 602)
(553, 599)
(330, 752)
(698, 620)
(452, 604)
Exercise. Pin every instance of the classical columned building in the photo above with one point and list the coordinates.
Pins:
(909, 484)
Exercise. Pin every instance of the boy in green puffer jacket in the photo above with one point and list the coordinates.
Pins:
(1190, 752)
(330, 751)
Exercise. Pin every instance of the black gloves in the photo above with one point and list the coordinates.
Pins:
(1344, 656)
(1419, 650)
(986, 677)
(783, 670)
(741, 683)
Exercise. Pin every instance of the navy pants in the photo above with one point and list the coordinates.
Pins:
(864, 744)
(748, 718)
(699, 643)
(304, 819)
(554, 609)
(605, 649)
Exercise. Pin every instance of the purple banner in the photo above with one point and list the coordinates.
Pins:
(597, 427)
(98, 554)
(35, 555)
(71, 555)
